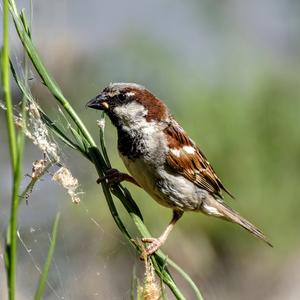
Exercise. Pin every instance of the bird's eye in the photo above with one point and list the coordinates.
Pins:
(122, 96)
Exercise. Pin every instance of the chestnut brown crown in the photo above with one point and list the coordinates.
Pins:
(117, 94)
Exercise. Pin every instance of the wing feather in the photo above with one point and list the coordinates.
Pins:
(187, 159)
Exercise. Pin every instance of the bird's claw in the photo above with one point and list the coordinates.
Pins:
(112, 176)
(154, 245)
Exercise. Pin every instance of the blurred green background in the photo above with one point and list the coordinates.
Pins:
(229, 72)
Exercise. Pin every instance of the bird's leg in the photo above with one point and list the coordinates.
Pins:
(156, 243)
(113, 176)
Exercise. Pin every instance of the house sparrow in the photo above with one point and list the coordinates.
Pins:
(162, 159)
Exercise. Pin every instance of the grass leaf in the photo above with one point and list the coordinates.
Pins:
(44, 276)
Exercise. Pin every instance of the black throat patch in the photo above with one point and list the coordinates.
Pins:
(130, 144)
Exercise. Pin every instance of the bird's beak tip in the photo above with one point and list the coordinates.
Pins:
(99, 102)
(92, 103)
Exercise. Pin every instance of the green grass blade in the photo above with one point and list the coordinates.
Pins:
(51, 125)
(43, 278)
(11, 237)
(6, 86)
(79, 139)
(133, 287)
(59, 133)
(42, 71)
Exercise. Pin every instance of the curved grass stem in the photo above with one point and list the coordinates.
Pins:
(44, 275)
(11, 242)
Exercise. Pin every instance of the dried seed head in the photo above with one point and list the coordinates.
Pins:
(34, 110)
(36, 130)
(64, 177)
(39, 133)
(150, 290)
(101, 123)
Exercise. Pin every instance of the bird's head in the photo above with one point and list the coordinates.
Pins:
(129, 103)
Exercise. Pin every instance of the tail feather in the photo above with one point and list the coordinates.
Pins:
(219, 209)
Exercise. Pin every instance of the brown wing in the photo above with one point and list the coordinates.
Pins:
(187, 159)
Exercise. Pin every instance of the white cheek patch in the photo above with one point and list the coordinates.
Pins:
(132, 114)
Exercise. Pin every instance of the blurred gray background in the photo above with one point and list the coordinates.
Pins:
(229, 72)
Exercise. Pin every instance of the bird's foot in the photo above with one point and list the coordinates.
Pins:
(112, 177)
(154, 245)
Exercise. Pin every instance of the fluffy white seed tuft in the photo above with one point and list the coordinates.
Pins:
(64, 177)
(36, 130)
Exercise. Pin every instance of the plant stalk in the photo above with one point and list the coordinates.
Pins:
(11, 243)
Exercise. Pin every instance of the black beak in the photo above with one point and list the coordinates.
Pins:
(100, 102)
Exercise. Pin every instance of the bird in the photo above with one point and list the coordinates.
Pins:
(162, 159)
